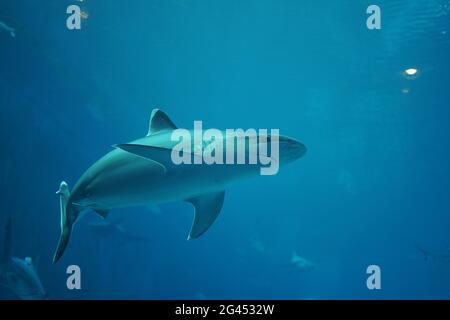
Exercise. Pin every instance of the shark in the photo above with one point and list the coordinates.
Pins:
(6, 28)
(302, 263)
(19, 275)
(142, 172)
(428, 254)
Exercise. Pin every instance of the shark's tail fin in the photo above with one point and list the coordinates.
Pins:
(67, 219)
(13, 34)
(6, 253)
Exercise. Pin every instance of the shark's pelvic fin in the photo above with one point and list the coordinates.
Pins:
(7, 241)
(159, 121)
(100, 211)
(207, 208)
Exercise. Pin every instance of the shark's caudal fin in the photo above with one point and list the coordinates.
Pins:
(6, 253)
(207, 208)
(13, 34)
(66, 220)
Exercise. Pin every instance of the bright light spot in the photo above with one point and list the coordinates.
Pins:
(411, 71)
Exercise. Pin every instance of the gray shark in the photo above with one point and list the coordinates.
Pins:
(142, 172)
(5, 27)
(427, 254)
(302, 263)
(19, 275)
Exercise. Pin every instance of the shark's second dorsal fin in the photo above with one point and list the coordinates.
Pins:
(159, 121)
(207, 208)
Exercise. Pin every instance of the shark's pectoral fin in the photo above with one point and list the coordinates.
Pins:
(207, 208)
(160, 156)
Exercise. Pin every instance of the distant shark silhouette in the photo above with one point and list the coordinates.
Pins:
(302, 263)
(17, 275)
(427, 254)
(106, 229)
(5, 27)
(142, 172)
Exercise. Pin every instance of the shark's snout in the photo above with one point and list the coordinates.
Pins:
(291, 149)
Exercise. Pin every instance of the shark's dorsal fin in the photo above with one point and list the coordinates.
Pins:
(159, 121)
(207, 208)
(6, 253)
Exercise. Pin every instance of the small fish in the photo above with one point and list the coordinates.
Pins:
(6, 28)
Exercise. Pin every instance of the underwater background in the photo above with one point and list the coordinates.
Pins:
(373, 187)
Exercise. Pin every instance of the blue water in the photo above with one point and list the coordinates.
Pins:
(373, 186)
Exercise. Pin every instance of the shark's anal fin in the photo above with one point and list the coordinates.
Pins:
(159, 121)
(207, 208)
